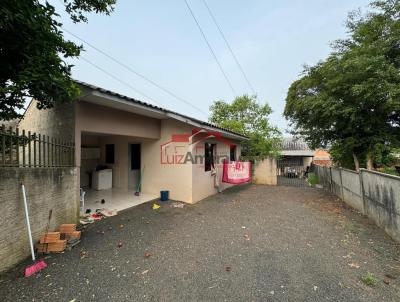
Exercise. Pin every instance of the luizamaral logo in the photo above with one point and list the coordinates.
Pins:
(194, 148)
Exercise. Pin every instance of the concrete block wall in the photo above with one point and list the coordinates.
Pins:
(374, 194)
(46, 188)
(265, 172)
(382, 201)
(351, 189)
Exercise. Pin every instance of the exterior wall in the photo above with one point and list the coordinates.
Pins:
(204, 184)
(265, 172)
(88, 164)
(176, 178)
(307, 161)
(121, 164)
(93, 118)
(374, 194)
(46, 188)
(57, 122)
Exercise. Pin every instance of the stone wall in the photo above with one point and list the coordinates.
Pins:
(46, 188)
(374, 194)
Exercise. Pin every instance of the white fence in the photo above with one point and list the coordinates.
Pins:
(374, 194)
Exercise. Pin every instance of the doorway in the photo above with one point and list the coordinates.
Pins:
(134, 166)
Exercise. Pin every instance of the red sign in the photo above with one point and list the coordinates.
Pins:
(236, 172)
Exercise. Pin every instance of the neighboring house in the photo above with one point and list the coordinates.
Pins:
(322, 158)
(133, 139)
(296, 156)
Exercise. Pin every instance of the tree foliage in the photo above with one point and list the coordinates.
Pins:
(33, 52)
(247, 117)
(351, 100)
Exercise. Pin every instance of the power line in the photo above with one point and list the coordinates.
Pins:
(137, 73)
(210, 48)
(229, 47)
(119, 80)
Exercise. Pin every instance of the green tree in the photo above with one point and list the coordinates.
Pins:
(33, 52)
(351, 101)
(246, 116)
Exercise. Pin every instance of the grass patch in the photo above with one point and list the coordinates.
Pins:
(369, 279)
(312, 179)
(390, 170)
(352, 228)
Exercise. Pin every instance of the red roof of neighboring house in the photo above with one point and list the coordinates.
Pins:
(320, 154)
(322, 158)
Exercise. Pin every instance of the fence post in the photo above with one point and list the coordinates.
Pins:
(44, 150)
(362, 190)
(40, 150)
(59, 152)
(52, 152)
(11, 145)
(23, 147)
(29, 149)
(3, 144)
(48, 152)
(341, 183)
(17, 146)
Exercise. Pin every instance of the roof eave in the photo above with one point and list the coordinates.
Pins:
(123, 103)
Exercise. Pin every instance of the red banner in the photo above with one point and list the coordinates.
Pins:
(236, 172)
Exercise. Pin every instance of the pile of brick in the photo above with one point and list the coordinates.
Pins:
(68, 231)
(56, 242)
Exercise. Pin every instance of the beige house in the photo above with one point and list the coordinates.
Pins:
(137, 142)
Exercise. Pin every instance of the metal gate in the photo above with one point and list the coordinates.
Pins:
(291, 171)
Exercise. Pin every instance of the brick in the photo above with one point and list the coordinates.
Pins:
(46, 188)
(50, 237)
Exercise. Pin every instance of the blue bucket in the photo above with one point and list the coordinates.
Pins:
(164, 195)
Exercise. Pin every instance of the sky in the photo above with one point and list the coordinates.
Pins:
(272, 40)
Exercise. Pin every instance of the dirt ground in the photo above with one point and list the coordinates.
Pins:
(250, 243)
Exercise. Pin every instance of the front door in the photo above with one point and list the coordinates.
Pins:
(134, 166)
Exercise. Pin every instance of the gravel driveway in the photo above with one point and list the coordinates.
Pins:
(250, 243)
